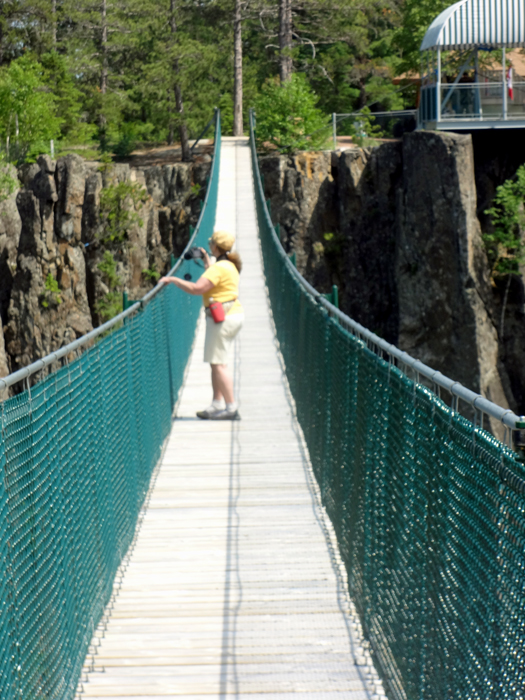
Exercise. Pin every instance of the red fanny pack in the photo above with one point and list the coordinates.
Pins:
(217, 311)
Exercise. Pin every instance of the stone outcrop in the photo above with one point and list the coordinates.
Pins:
(40, 319)
(396, 228)
(496, 159)
(10, 227)
(303, 193)
(52, 243)
(4, 365)
(442, 271)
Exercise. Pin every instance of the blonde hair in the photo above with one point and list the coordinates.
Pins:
(233, 257)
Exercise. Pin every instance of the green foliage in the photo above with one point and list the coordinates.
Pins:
(362, 128)
(333, 243)
(118, 210)
(106, 163)
(417, 16)
(195, 189)
(108, 267)
(128, 137)
(51, 295)
(506, 244)
(287, 116)
(109, 74)
(111, 304)
(24, 97)
(68, 98)
(151, 273)
(8, 183)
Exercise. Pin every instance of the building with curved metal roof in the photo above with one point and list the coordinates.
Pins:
(473, 99)
(478, 23)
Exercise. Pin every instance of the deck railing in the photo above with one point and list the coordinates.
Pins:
(77, 451)
(482, 101)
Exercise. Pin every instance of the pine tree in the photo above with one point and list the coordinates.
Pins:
(237, 78)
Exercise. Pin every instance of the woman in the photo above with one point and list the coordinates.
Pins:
(219, 282)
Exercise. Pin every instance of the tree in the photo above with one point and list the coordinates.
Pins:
(201, 48)
(68, 98)
(285, 40)
(416, 18)
(237, 50)
(28, 114)
(288, 118)
(506, 243)
(345, 49)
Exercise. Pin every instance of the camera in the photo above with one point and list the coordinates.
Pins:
(193, 253)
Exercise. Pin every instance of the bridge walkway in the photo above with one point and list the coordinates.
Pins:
(234, 586)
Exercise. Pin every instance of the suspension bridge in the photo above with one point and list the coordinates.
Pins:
(352, 536)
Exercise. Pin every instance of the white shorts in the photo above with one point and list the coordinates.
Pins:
(219, 337)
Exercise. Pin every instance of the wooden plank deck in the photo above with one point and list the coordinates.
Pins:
(234, 586)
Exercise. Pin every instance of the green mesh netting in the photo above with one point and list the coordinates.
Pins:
(429, 511)
(77, 452)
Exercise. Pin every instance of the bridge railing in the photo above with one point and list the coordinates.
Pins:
(429, 509)
(77, 451)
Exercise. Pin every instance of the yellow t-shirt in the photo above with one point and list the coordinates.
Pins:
(225, 278)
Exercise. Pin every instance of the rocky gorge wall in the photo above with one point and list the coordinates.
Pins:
(51, 225)
(396, 227)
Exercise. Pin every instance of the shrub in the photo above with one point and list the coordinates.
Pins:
(111, 303)
(151, 273)
(363, 130)
(8, 183)
(51, 295)
(118, 205)
(287, 117)
(506, 243)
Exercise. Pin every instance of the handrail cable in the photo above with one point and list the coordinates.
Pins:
(477, 401)
(53, 357)
(78, 449)
(426, 504)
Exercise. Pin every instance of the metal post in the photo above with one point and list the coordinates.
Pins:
(172, 261)
(477, 95)
(277, 230)
(124, 301)
(52, 148)
(504, 85)
(293, 259)
(438, 86)
(335, 296)
(334, 129)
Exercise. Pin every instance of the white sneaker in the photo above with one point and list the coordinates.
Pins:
(209, 412)
(225, 414)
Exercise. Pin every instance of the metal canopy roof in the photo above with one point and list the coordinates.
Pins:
(478, 23)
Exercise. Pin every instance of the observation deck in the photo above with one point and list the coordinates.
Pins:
(460, 89)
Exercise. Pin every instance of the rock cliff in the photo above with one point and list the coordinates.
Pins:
(53, 241)
(396, 228)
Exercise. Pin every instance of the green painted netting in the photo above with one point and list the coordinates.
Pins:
(429, 511)
(76, 455)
